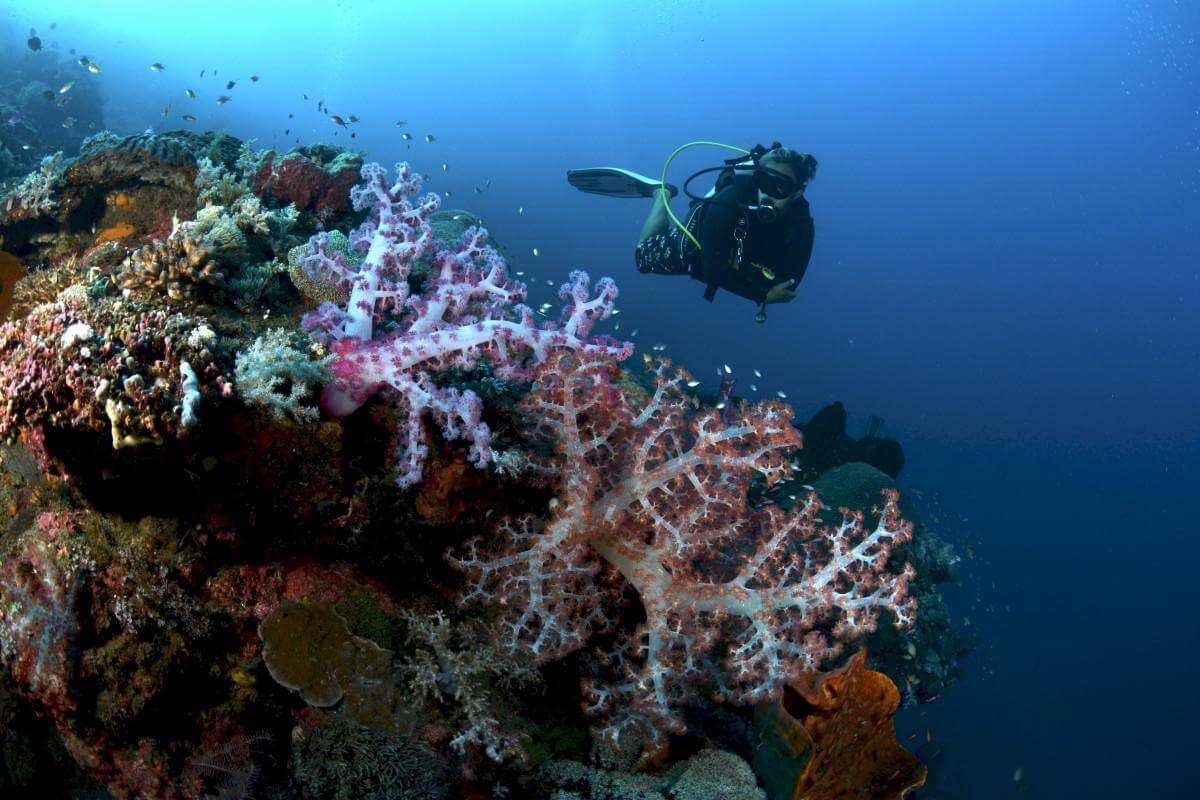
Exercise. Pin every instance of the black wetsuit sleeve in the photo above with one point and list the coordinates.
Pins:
(798, 250)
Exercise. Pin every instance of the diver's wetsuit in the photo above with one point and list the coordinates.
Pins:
(774, 251)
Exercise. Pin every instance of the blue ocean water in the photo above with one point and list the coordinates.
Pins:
(1007, 268)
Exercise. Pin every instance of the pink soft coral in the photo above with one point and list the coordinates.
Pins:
(468, 311)
(652, 496)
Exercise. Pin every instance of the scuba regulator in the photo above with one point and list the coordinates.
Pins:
(748, 178)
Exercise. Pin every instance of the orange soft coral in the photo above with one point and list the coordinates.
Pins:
(831, 737)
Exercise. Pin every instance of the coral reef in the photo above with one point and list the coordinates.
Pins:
(230, 501)
(109, 365)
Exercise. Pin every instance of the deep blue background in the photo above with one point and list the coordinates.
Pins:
(1007, 268)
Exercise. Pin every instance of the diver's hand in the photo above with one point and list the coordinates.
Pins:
(780, 293)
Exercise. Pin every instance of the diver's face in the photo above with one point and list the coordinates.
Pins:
(782, 204)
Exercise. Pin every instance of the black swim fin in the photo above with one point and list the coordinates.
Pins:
(615, 182)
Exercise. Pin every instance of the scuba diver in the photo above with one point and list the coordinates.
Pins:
(751, 234)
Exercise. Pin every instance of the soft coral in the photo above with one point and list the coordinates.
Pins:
(652, 496)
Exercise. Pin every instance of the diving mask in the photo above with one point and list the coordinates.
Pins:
(773, 183)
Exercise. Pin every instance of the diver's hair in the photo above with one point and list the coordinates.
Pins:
(804, 165)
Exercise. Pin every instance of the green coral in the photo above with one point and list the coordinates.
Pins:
(366, 617)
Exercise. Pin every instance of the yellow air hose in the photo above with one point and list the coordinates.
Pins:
(667, 166)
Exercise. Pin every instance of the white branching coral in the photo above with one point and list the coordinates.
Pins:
(35, 192)
(218, 186)
(461, 666)
(273, 373)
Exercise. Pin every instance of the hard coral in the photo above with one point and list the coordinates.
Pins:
(340, 760)
(105, 365)
(461, 668)
(178, 269)
(35, 194)
(309, 649)
(273, 373)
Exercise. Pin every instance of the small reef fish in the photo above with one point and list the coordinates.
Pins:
(166, 109)
(658, 347)
(254, 79)
(728, 371)
(83, 61)
(353, 119)
(48, 95)
(287, 131)
(230, 84)
(66, 87)
(336, 120)
(188, 117)
(34, 43)
(780, 395)
(223, 99)
(201, 73)
(535, 252)
(13, 119)
(191, 95)
(445, 166)
(68, 122)
(429, 137)
(156, 67)
(448, 193)
(304, 96)
(521, 210)
(757, 374)
(406, 137)
(94, 68)
(693, 384)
